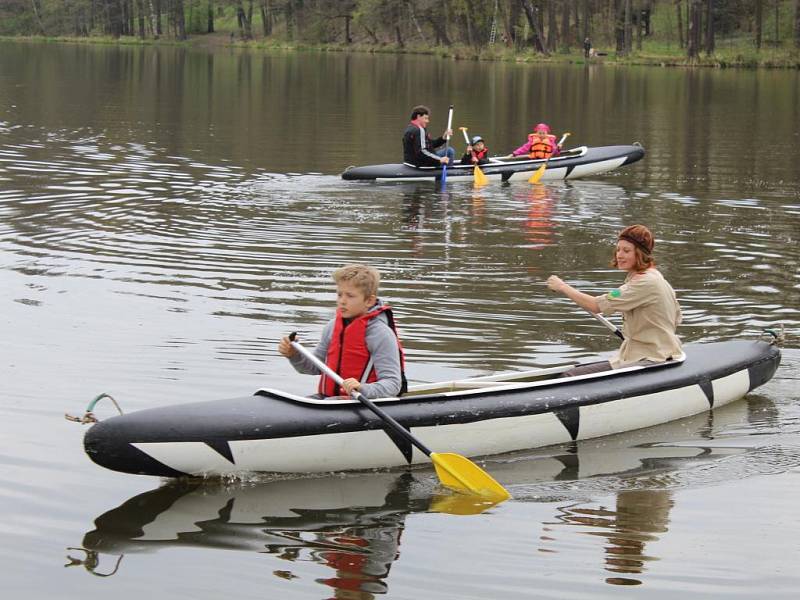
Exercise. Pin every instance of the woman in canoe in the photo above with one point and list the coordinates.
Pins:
(649, 308)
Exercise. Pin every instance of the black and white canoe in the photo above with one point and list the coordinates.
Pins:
(274, 431)
(570, 164)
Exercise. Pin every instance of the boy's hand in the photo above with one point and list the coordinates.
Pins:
(444, 160)
(351, 385)
(285, 347)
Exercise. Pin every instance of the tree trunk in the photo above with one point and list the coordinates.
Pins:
(347, 39)
(639, 25)
(266, 18)
(797, 23)
(510, 22)
(398, 36)
(678, 11)
(628, 27)
(552, 26)
(533, 21)
(210, 17)
(140, 15)
(710, 41)
(245, 21)
(587, 19)
(759, 22)
(693, 35)
(179, 20)
(565, 36)
(619, 25)
(158, 18)
(37, 12)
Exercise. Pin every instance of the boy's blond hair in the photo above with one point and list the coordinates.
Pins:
(364, 277)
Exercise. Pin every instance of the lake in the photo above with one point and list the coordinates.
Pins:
(167, 214)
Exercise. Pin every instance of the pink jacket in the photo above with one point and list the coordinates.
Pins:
(526, 147)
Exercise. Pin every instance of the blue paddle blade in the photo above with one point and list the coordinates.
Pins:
(444, 174)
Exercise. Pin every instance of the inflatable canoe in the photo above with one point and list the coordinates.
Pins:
(570, 164)
(274, 431)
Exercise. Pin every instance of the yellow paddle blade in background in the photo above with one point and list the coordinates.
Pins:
(480, 178)
(538, 174)
(462, 475)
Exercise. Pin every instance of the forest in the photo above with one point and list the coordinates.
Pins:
(546, 28)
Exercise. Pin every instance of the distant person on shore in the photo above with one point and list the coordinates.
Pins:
(360, 343)
(650, 310)
(418, 148)
(476, 153)
(541, 144)
(587, 47)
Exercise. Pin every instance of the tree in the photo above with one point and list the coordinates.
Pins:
(797, 23)
(694, 33)
(536, 31)
(710, 42)
(759, 21)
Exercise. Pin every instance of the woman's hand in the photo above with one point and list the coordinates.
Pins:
(351, 385)
(285, 347)
(555, 283)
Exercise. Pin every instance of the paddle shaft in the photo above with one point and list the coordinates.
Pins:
(447, 142)
(360, 397)
(613, 328)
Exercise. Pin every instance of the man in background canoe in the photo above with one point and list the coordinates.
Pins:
(418, 148)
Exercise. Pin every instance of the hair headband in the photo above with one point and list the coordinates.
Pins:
(638, 243)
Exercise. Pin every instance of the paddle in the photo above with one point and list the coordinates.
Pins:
(540, 171)
(478, 177)
(613, 328)
(447, 144)
(454, 471)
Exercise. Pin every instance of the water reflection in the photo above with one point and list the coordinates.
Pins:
(354, 524)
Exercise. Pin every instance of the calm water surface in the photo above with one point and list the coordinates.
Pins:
(167, 214)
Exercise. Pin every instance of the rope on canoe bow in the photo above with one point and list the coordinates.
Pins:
(88, 416)
(778, 337)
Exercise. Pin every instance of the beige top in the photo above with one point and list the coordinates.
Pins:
(650, 314)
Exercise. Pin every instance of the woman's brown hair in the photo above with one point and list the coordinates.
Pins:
(643, 243)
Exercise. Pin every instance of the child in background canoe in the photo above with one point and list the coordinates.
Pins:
(541, 144)
(649, 308)
(477, 153)
(360, 343)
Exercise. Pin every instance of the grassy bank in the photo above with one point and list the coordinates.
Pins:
(729, 53)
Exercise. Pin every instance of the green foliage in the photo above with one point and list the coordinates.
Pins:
(453, 28)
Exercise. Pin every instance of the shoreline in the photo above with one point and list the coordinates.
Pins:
(739, 57)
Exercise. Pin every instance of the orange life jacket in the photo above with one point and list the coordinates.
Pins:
(348, 354)
(541, 147)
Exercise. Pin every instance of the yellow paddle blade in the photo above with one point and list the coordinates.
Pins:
(463, 475)
(480, 178)
(538, 174)
(460, 504)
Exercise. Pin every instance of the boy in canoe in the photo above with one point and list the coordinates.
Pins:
(541, 144)
(476, 153)
(418, 148)
(360, 343)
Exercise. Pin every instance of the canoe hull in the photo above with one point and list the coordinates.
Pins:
(573, 164)
(275, 432)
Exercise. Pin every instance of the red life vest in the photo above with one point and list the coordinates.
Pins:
(480, 155)
(349, 356)
(541, 147)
